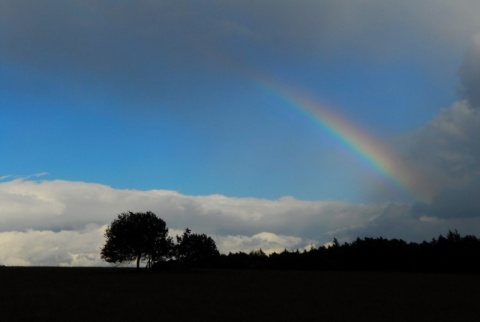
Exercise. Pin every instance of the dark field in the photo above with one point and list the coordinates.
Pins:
(91, 294)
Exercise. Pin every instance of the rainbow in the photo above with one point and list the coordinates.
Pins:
(368, 150)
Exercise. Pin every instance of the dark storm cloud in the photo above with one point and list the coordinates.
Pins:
(138, 40)
(459, 202)
(447, 148)
(127, 46)
(448, 152)
(100, 36)
(470, 74)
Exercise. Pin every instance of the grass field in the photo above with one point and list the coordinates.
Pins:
(99, 294)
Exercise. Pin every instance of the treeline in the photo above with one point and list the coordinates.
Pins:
(452, 254)
(144, 237)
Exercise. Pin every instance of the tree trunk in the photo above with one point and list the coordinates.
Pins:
(138, 262)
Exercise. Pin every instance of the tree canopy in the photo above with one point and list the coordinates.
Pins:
(136, 236)
(195, 249)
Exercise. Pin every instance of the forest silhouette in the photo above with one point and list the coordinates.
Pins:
(450, 254)
(132, 236)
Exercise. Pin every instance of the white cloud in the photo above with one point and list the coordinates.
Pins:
(63, 222)
(58, 204)
(267, 242)
(43, 247)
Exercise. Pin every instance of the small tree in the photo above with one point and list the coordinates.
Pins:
(195, 249)
(137, 236)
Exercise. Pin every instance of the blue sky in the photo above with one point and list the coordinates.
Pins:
(92, 96)
(161, 95)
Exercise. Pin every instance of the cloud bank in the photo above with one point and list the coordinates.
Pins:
(62, 222)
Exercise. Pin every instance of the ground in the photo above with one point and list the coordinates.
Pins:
(120, 294)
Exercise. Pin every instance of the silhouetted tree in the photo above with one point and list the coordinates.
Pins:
(137, 236)
(195, 249)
